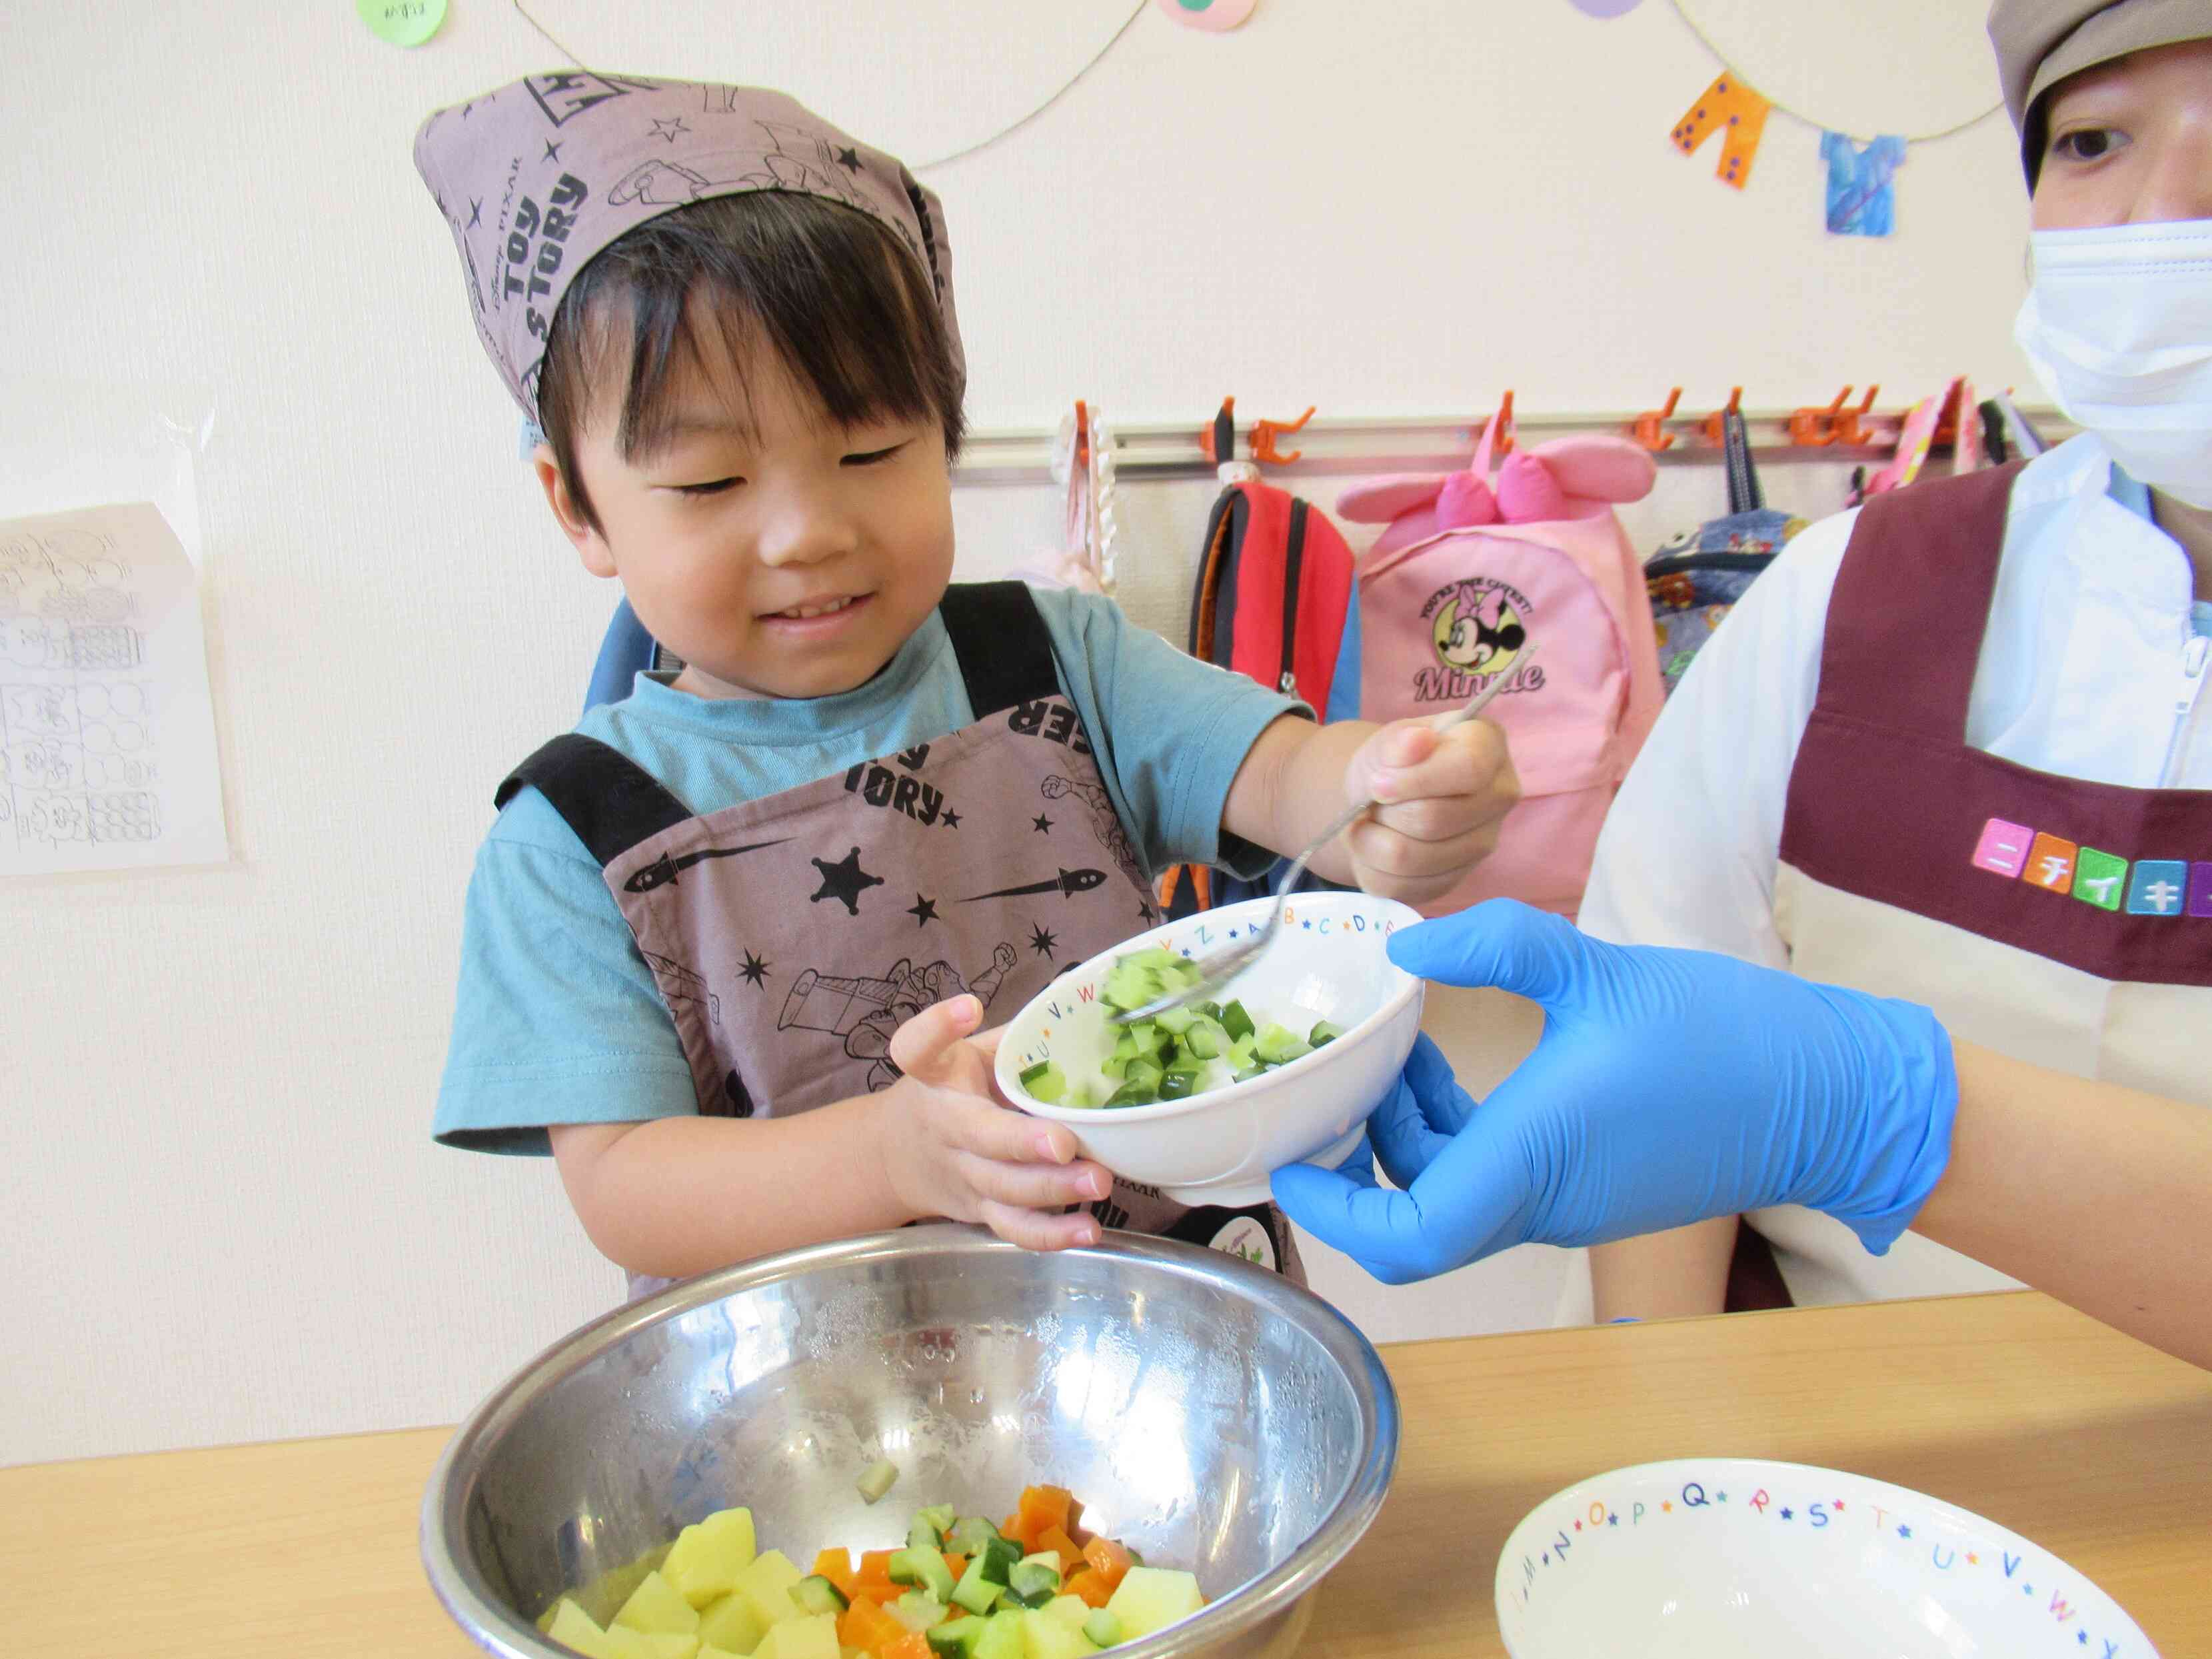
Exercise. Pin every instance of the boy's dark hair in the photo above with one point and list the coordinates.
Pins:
(851, 313)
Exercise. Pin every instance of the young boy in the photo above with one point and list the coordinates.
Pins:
(1954, 748)
(729, 944)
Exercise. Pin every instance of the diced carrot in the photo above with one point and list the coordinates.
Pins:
(874, 1578)
(912, 1645)
(866, 1627)
(1108, 1559)
(955, 1564)
(1092, 1587)
(1043, 1507)
(837, 1565)
(1061, 1544)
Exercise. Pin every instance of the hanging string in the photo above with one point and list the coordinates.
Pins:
(1097, 58)
(1722, 58)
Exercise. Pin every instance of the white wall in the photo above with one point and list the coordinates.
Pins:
(221, 1215)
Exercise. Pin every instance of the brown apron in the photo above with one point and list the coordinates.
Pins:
(2061, 922)
(791, 935)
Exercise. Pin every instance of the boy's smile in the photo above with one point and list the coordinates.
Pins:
(779, 555)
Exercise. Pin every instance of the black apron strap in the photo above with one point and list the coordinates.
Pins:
(999, 639)
(612, 802)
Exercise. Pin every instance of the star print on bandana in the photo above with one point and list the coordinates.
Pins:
(844, 881)
(1042, 824)
(552, 151)
(755, 970)
(923, 910)
(669, 128)
(951, 820)
(849, 159)
(1043, 942)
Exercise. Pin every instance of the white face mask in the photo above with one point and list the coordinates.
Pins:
(2118, 327)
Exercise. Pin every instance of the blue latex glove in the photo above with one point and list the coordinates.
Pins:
(1669, 1086)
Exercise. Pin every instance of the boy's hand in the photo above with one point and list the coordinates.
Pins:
(1444, 796)
(950, 1149)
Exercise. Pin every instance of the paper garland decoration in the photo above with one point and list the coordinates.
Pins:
(1738, 114)
(1215, 16)
(1862, 198)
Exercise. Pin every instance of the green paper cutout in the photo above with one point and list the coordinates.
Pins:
(403, 22)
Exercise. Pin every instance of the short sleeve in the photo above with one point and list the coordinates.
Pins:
(1169, 731)
(556, 1017)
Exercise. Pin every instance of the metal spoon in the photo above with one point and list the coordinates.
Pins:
(1218, 968)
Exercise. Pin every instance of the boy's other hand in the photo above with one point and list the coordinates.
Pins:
(950, 1149)
(1443, 795)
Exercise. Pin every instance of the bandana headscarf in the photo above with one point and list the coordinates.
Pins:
(536, 177)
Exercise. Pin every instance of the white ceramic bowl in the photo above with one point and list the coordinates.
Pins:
(1719, 1557)
(1218, 1147)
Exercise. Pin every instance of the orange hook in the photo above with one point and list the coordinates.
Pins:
(1502, 443)
(1815, 429)
(1851, 423)
(1711, 424)
(1648, 430)
(1265, 434)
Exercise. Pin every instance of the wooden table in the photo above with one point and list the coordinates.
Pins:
(2094, 1446)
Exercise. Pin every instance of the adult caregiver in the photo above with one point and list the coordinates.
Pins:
(1671, 1086)
(1956, 746)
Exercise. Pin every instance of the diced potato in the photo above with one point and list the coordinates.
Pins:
(1053, 1639)
(655, 1606)
(732, 1625)
(572, 1627)
(668, 1645)
(1070, 1610)
(620, 1642)
(813, 1636)
(709, 1652)
(707, 1556)
(768, 1583)
(1150, 1597)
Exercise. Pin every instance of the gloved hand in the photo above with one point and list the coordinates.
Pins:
(1669, 1086)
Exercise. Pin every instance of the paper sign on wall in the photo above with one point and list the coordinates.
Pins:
(107, 756)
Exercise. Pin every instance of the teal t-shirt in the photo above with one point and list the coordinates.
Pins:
(558, 1019)
(2200, 614)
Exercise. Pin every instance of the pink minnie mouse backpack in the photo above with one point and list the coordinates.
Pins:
(1468, 574)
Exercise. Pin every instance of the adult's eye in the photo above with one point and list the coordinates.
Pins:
(2086, 143)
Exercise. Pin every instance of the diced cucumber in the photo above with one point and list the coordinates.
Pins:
(1044, 1081)
(1001, 1557)
(1324, 1032)
(1033, 1581)
(956, 1639)
(1175, 1021)
(1144, 1074)
(1134, 1094)
(923, 1566)
(1236, 1021)
(968, 1535)
(922, 1533)
(1205, 1039)
(876, 1480)
(1178, 1083)
(817, 1594)
(1277, 1045)
(941, 1516)
(975, 1592)
(918, 1610)
(1102, 1629)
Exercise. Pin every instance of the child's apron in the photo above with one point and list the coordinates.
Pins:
(791, 935)
(2063, 922)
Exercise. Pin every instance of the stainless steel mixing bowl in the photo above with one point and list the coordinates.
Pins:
(1204, 1411)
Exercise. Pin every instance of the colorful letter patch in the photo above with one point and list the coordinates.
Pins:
(2200, 890)
(2003, 848)
(2050, 863)
(2101, 879)
(2158, 889)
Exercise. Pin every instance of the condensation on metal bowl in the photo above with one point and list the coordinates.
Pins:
(1206, 1412)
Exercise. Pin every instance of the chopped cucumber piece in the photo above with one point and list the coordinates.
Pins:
(1323, 1033)
(1044, 1081)
(1236, 1021)
(956, 1639)
(1178, 1084)
(877, 1478)
(1102, 1629)
(923, 1566)
(1277, 1045)
(969, 1534)
(1001, 1556)
(1034, 1580)
(1205, 1039)
(940, 1516)
(817, 1594)
(918, 1610)
(1134, 1094)
(1002, 1637)
(921, 1534)
(975, 1592)
(1175, 1021)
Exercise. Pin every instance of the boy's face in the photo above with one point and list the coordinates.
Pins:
(777, 554)
(2129, 143)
